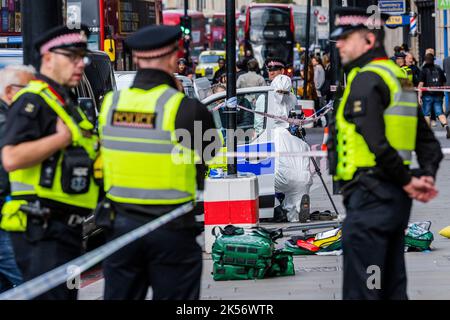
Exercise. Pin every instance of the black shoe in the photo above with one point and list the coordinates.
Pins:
(447, 128)
(280, 215)
(303, 215)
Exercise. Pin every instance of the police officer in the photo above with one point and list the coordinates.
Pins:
(400, 60)
(274, 68)
(144, 178)
(377, 127)
(49, 150)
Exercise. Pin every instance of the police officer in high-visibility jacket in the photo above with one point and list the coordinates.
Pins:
(400, 60)
(376, 127)
(149, 171)
(49, 150)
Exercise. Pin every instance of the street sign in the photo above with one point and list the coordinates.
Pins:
(443, 4)
(396, 21)
(394, 7)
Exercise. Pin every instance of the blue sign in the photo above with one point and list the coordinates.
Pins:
(15, 40)
(392, 6)
(397, 21)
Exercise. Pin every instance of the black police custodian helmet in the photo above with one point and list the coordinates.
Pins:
(399, 55)
(275, 63)
(154, 41)
(349, 19)
(63, 37)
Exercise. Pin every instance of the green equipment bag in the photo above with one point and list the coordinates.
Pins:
(418, 236)
(230, 272)
(240, 255)
(282, 264)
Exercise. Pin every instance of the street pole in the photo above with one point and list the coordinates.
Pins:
(37, 18)
(307, 44)
(230, 109)
(186, 43)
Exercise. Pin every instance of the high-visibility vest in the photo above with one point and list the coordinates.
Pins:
(400, 118)
(143, 162)
(408, 72)
(25, 182)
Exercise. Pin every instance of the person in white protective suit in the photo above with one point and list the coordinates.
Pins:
(292, 174)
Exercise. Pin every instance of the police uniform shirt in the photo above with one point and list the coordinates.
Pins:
(190, 110)
(31, 119)
(368, 99)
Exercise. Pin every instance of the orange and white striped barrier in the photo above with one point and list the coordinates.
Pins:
(325, 138)
(230, 201)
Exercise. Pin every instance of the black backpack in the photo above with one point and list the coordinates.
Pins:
(433, 76)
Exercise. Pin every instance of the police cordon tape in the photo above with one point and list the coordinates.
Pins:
(297, 122)
(69, 271)
(425, 89)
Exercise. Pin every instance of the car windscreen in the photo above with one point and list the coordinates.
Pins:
(210, 59)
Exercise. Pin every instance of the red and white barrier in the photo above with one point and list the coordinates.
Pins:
(325, 138)
(230, 201)
(308, 110)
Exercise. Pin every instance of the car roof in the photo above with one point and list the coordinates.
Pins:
(239, 91)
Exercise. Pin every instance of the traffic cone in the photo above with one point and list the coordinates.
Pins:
(325, 139)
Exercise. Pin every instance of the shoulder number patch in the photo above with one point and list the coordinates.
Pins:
(29, 108)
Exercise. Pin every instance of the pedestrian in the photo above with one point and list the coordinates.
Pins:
(251, 78)
(12, 79)
(319, 79)
(247, 57)
(411, 62)
(143, 180)
(49, 148)
(221, 71)
(240, 68)
(183, 69)
(326, 88)
(446, 64)
(374, 136)
(311, 91)
(432, 76)
(400, 60)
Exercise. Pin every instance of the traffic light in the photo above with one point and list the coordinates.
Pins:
(185, 24)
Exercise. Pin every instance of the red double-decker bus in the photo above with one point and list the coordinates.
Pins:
(198, 43)
(270, 31)
(218, 30)
(114, 20)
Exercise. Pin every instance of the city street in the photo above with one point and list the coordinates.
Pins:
(320, 277)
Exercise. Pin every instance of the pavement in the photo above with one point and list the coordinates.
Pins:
(320, 277)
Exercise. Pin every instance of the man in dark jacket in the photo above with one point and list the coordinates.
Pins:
(12, 79)
(432, 76)
(374, 137)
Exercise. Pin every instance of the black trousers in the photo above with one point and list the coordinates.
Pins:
(170, 261)
(39, 250)
(373, 242)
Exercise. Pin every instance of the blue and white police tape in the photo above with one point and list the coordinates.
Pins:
(305, 154)
(69, 271)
